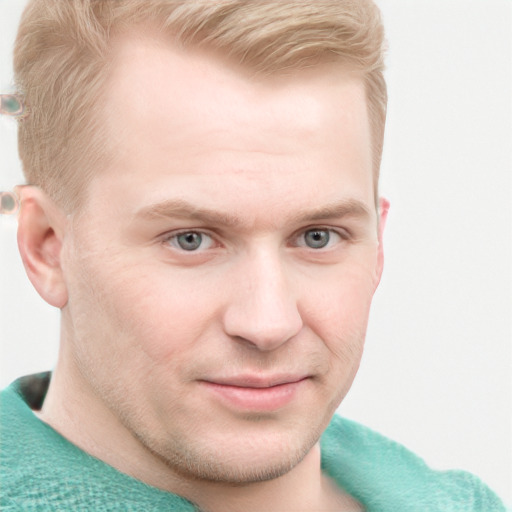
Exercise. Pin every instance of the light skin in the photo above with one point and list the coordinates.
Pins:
(216, 285)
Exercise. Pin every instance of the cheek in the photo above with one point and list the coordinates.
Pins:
(342, 300)
(150, 312)
(98, 307)
(338, 314)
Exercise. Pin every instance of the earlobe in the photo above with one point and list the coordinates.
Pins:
(41, 227)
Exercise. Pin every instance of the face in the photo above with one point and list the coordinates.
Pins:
(221, 273)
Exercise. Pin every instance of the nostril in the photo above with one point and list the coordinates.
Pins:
(263, 334)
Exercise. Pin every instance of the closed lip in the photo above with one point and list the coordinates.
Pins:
(257, 381)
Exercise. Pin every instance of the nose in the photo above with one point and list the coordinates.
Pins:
(263, 310)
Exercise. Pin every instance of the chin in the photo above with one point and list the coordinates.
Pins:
(239, 470)
(241, 460)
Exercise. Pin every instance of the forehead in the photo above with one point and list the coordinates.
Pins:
(194, 117)
(153, 80)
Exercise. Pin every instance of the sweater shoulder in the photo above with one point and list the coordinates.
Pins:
(387, 476)
(40, 470)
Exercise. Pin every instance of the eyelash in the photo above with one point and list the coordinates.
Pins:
(174, 237)
(341, 233)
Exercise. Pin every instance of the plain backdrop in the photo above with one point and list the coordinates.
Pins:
(436, 375)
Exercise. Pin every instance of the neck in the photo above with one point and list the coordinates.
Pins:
(72, 409)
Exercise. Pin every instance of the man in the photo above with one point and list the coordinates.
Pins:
(203, 208)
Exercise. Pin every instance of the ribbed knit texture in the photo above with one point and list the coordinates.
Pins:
(386, 477)
(42, 471)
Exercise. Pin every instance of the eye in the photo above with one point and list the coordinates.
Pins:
(191, 241)
(318, 238)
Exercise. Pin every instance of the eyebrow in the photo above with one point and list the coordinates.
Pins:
(179, 208)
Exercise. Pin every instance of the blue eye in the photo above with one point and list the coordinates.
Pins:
(191, 241)
(317, 238)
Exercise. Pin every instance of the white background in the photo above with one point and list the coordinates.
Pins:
(436, 375)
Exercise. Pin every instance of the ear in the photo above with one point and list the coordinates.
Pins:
(41, 228)
(383, 215)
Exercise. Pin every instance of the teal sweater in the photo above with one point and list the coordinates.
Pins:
(42, 471)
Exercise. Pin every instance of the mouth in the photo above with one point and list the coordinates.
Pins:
(256, 394)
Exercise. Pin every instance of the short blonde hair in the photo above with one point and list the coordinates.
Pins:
(62, 55)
